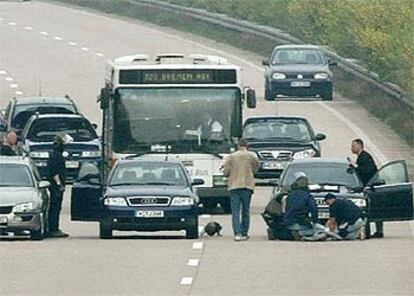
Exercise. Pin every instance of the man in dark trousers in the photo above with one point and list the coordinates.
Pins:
(57, 179)
(240, 168)
(345, 217)
(365, 168)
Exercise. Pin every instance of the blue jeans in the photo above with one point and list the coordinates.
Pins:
(240, 209)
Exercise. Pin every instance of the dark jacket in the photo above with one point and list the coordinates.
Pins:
(7, 150)
(56, 166)
(366, 167)
(345, 211)
(299, 204)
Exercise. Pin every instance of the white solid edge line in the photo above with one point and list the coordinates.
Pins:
(14, 85)
(198, 245)
(374, 149)
(185, 281)
(193, 262)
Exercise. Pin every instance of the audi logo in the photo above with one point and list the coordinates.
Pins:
(148, 200)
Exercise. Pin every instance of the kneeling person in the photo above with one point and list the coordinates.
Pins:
(345, 217)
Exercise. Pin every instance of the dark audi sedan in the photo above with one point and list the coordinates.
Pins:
(277, 140)
(139, 195)
(298, 71)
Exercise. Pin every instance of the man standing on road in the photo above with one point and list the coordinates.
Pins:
(345, 217)
(240, 168)
(57, 178)
(9, 147)
(365, 168)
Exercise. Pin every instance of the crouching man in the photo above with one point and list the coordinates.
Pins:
(345, 218)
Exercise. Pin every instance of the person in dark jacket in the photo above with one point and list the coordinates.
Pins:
(301, 211)
(365, 168)
(9, 147)
(345, 217)
(57, 179)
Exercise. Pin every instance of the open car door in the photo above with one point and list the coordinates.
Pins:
(87, 192)
(390, 194)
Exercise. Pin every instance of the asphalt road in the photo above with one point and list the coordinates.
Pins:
(54, 50)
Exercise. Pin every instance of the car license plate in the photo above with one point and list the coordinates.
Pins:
(300, 84)
(3, 220)
(149, 214)
(323, 215)
(72, 164)
(273, 165)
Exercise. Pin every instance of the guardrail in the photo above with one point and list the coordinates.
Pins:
(279, 36)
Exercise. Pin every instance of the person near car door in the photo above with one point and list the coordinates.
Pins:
(240, 168)
(345, 217)
(57, 179)
(365, 168)
(9, 148)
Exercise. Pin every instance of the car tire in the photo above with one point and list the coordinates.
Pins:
(226, 206)
(327, 96)
(41, 233)
(191, 231)
(105, 230)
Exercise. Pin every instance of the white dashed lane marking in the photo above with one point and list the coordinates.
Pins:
(98, 54)
(72, 43)
(205, 216)
(19, 92)
(28, 28)
(84, 48)
(198, 245)
(193, 262)
(12, 24)
(57, 38)
(2, 72)
(9, 78)
(186, 281)
(14, 85)
(44, 33)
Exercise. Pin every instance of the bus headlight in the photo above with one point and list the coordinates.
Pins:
(92, 153)
(220, 180)
(182, 201)
(39, 154)
(115, 201)
(304, 154)
(278, 76)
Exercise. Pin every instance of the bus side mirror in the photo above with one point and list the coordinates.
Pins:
(251, 98)
(104, 97)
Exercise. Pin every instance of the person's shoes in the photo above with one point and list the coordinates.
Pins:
(377, 235)
(238, 238)
(57, 234)
(244, 237)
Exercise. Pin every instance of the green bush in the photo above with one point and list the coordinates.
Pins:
(379, 33)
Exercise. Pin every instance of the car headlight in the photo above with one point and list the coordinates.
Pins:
(115, 201)
(360, 202)
(25, 207)
(39, 154)
(321, 76)
(304, 154)
(278, 76)
(220, 180)
(182, 201)
(93, 153)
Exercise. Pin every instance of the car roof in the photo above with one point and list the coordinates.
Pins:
(258, 118)
(155, 161)
(320, 160)
(14, 160)
(44, 100)
(298, 46)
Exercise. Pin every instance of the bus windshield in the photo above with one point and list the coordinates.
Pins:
(180, 120)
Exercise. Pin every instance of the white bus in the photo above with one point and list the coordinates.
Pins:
(187, 108)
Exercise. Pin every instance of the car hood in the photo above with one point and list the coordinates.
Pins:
(302, 68)
(133, 190)
(10, 196)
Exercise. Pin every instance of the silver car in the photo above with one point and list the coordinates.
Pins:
(24, 198)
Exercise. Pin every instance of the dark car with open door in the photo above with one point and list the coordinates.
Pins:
(139, 195)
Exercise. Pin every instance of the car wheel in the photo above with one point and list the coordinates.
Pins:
(41, 233)
(327, 96)
(226, 206)
(105, 230)
(192, 229)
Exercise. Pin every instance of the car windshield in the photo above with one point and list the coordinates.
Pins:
(45, 129)
(148, 173)
(298, 56)
(23, 113)
(323, 173)
(284, 130)
(184, 119)
(15, 175)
